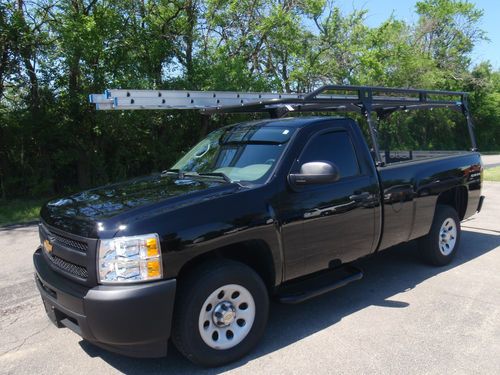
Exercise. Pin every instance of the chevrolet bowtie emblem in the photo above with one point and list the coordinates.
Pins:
(48, 246)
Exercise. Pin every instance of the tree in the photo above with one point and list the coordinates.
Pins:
(53, 53)
(446, 32)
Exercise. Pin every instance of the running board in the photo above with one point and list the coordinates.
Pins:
(300, 291)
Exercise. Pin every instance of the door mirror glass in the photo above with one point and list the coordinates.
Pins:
(315, 172)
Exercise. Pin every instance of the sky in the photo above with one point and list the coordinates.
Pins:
(380, 10)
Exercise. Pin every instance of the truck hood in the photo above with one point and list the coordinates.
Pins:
(81, 213)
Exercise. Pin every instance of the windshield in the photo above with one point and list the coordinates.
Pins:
(242, 153)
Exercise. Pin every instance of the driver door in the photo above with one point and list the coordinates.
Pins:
(332, 223)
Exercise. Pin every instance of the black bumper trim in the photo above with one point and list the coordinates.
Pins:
(132, 320)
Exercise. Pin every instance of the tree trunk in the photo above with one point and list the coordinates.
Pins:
(3, 68)
(284, 72)
(189, 39)
(76, 114)
(27, 53)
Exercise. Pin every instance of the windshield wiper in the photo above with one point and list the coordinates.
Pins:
(216, 174)
(209, 174)
(181, 174)
(172, 172)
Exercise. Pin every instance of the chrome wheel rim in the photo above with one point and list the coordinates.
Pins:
(226, 317)
(447, 236)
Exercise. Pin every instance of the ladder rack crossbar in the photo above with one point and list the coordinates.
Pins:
(328, 98)
(221, 101)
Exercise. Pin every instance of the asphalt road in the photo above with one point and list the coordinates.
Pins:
(403, 317)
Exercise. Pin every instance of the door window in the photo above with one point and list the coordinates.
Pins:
(335, 147)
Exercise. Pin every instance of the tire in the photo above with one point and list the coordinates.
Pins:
(226, 297)
(439, 247)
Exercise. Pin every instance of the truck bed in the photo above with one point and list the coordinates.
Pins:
(410, 191)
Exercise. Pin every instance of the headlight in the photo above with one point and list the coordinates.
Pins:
(130, 259)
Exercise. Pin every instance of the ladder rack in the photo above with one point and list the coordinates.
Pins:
(330, 98)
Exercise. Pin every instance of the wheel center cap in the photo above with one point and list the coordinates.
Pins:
(447, 237)
(224, 314)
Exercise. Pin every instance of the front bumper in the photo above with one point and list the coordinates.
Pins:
(131, 320)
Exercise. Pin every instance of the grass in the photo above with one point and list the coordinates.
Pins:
(492, 174)
(18, 211)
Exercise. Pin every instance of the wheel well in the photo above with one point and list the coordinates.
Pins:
(254, 253)
(456, 198)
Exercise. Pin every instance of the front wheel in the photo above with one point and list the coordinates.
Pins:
(220, 314)
(440, 245)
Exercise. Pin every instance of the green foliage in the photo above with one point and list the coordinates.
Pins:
(19, 211)
(53, 53)
(492, 174)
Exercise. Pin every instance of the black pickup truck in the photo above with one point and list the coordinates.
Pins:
(280, 208)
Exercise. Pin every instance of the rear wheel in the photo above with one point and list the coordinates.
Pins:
(440, 245)
(220, 314)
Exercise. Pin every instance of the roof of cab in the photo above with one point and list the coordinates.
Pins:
(296, 122)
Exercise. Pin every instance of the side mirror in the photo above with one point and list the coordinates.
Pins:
(315, 172)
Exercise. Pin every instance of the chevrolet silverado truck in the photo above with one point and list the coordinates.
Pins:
(272, 208)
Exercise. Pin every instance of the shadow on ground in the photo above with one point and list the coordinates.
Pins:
(392, 272)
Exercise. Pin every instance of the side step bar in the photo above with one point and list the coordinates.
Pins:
(326, 281)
